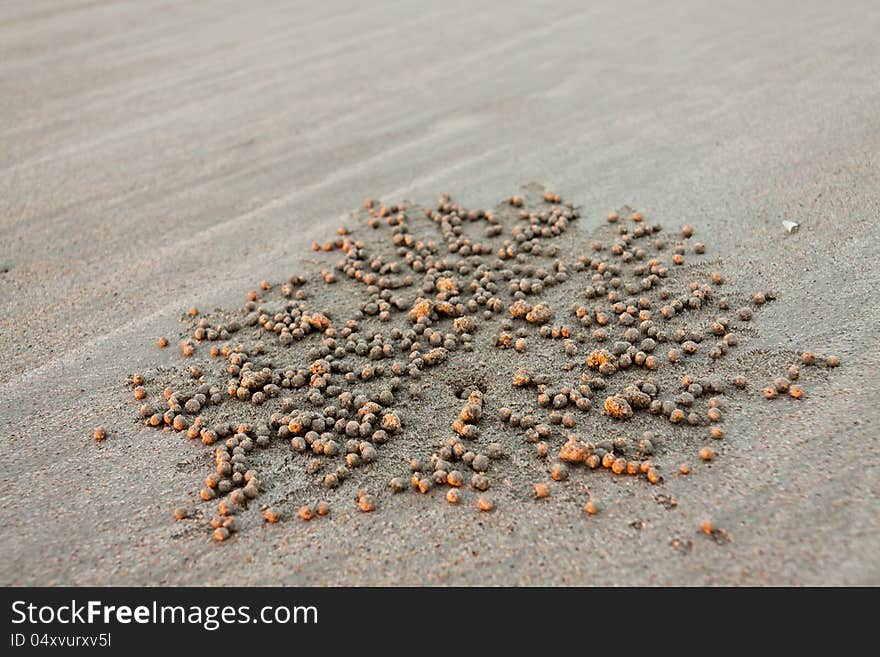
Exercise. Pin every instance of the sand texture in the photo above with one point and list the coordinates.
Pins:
(154, 158)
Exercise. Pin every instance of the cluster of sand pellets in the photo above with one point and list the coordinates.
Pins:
(440, 351)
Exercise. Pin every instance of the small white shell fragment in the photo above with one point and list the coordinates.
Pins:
(791, 226)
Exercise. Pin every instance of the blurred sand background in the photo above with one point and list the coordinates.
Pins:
(141, 142)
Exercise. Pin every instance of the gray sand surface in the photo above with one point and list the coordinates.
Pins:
(139, 142)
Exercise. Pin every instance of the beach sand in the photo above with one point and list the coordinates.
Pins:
(156, 158)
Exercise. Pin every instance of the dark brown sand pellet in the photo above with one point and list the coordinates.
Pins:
(559, 472)
(480, 482)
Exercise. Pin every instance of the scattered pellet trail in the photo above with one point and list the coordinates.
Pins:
(553, 360)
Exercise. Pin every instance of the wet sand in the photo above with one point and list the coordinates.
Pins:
(142, 145)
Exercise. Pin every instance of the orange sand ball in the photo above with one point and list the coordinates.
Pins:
(599, 357)
(618, 407)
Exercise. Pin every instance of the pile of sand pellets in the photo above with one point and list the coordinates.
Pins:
(444, 350)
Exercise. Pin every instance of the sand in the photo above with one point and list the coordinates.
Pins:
(139, 145)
